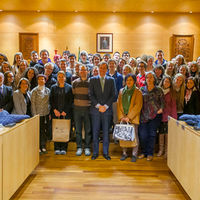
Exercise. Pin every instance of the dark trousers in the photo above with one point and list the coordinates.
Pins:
(97, 120)
(60, 146)
(147, 135)
(82, 116)
(44, 130)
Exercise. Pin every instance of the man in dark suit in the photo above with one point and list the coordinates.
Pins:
(102, 93)
(6, 96)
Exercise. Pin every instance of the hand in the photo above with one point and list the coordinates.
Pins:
(102, 109)
(57, 113)
(160, 111)
(63, 114)
(125, 119)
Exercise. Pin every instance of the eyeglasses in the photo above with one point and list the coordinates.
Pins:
(49, 69)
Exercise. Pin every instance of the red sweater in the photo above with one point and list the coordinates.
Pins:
(170, 108)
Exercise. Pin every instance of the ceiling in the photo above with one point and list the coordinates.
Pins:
(102, 5)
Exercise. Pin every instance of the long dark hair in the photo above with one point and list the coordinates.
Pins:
(172, 93)
(33, 82)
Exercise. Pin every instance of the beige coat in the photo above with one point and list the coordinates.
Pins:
(134, 109)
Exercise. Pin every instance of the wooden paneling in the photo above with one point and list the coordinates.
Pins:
(183, 156)
(103, 5)
(27, 43)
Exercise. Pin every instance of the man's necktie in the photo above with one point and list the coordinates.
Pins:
(102, 83)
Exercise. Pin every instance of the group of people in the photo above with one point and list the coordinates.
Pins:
(98, 92)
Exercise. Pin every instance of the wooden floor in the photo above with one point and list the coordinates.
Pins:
(71, 177)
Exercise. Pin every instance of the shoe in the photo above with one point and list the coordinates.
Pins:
(62, 152)
(106, 156)
(79, 151)
(94, 157)
(87, 152)
(40, 152)
(133, 159)
(141, 156)
(124, 157)
(44, 150)
(57, 152)
(160, 153)
(149, 158)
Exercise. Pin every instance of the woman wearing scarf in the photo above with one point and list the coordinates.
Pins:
(129, 105)
(151, 113)
(168, 110)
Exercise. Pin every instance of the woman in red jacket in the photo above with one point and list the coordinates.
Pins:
(169, 110)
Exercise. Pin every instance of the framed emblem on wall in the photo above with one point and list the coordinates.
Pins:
(184, 45)
(104, 42)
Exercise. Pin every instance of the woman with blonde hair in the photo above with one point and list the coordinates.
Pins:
(22, 67)
(18, 57)
(170, 69)
(127, 69)
(133, 63)
(179, 89)
(184, 70)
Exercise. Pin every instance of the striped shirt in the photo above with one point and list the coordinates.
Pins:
(80, 90)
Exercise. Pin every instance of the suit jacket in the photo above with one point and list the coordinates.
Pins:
(68, 100)
(6, 100)
(20, 106)
(98, 96)
(134, 109)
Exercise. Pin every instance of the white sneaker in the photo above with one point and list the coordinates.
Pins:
(79, 151)
(62, 152)
(87, 152)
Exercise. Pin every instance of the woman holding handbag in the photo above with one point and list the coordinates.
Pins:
(61, 100)
(129, 105)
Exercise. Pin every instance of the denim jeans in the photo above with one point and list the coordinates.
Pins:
(82, 117)
(147, 135)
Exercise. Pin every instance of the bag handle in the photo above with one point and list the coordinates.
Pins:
(126, 123)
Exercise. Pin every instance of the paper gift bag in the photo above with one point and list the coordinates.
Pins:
(61, 130)
(124, 132)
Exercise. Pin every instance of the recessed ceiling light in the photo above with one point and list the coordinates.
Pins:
(152, 11)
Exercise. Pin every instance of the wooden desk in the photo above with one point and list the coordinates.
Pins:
(183, 156)
(20, 154)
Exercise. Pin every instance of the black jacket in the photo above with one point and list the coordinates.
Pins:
(54, 96)
(6, 99)
(193, 105)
